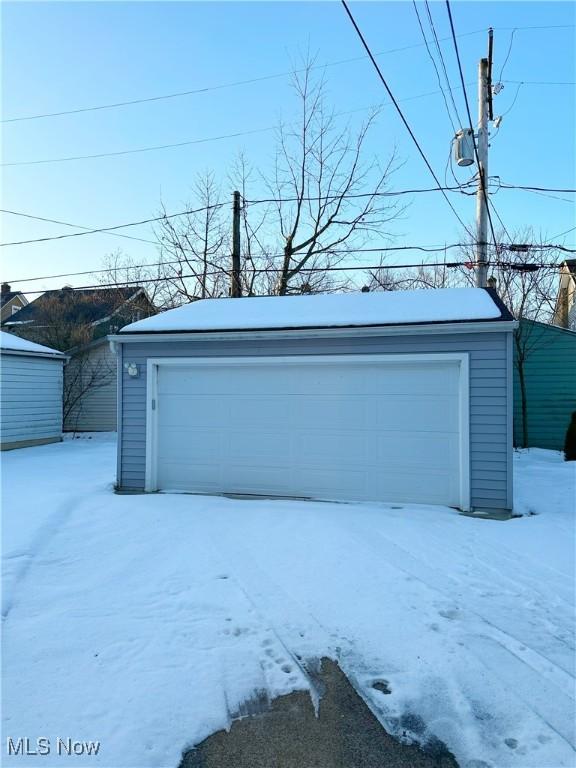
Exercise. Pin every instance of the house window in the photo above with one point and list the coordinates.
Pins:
(16, 309)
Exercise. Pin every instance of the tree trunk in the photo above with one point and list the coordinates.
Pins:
(283, 284)
(523, 403)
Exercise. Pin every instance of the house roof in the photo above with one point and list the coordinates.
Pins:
(82, 306)
(570, 264)
(14, 344)
(443, 305)
(7, 296)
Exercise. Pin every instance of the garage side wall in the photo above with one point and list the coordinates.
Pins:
(490, 392)
(31, 400)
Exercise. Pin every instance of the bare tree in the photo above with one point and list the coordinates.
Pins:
(83, 375)
(528, 289)
(196, 246)
(62, 319)
(123, 270)
(526, 279)
(327, 199)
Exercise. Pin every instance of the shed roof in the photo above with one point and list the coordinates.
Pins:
(14, 344)
(442, 305)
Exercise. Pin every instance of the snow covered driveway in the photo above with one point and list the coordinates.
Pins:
(143, 622)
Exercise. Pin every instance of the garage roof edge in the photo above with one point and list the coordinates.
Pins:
(444, 327)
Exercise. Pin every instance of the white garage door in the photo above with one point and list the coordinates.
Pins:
(343, 427)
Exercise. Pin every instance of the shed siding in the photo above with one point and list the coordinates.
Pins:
(490, 438)
(550, 373)
(96, 410)
(31, 398)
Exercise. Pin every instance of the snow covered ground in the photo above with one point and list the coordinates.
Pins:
(143, 622)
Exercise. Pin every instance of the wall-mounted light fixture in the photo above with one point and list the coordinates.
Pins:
(131, 369)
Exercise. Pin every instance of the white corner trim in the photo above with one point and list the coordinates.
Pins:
(151, 427)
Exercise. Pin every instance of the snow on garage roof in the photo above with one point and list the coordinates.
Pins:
(327, 311)
(11, 343)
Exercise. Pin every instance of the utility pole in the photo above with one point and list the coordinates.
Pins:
(484, 110)
(235, 287)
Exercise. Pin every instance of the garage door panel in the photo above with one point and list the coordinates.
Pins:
(417, 450)
(426, 488)
(304, 379)
(430, 412)
(356, 431)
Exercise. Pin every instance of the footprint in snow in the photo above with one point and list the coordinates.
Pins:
(383, 686)
(451, 614)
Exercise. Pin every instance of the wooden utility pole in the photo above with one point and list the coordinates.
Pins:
(235, 286)
(482, 191)
(485, 114)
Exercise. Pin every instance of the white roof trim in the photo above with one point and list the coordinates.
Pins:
(496, 326)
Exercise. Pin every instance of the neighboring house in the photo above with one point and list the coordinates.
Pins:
(549, 372)
(78, 321)
(31, 379)
(90, 384)
(70, 317)
(565, 310)
(395, 396)
(10, 302)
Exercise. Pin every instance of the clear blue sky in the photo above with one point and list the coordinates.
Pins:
(59, 56)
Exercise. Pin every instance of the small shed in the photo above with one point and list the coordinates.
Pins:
(31, 384)
(544, 384)
(391, 396)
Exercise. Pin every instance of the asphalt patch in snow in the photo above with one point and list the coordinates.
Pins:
(342, 733)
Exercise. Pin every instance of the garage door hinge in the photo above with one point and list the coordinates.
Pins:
(153, 404)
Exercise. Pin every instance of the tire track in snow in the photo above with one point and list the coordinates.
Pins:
(451, 588)
(287, 619)
(547, 676)
(38, 545)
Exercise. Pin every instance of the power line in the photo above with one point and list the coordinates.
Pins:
(110, 230)
(480, 169)
(221, 86)
(518, 266)
(76, 226)
(432, 59)
(500, 220)
(513, 101)
(461, 188)
(137, 150)
(529, 188)
(391, 95)
(540, 82)
(117, 226)
(507, 54)
(155, 147)
(383, 249)
(443, 63)
(561, 234)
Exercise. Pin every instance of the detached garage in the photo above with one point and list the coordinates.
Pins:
(392, 396)
(31, 380)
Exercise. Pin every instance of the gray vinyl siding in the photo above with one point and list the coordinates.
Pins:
(96, 409)
(490, 388)
(30, 398)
